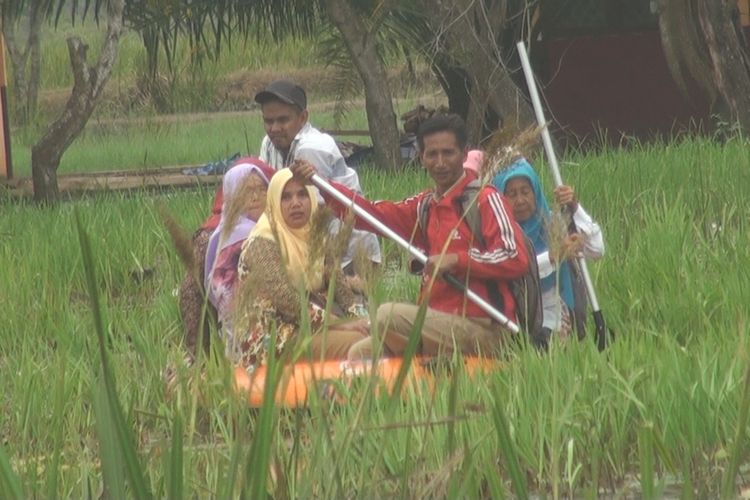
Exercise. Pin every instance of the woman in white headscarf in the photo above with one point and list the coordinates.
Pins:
(244, 190)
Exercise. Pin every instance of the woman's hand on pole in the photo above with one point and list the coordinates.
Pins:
(566, 197)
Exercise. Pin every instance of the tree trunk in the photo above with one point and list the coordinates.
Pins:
(361, 42)
(18, 60)
(25, 62)
(35, 49)
(455, 84)
(729, 61)
(700, 39)
(87, 88)
(683, 45)
(469, 33)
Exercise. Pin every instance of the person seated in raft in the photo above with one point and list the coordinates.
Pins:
(192, 304)
(452, 322)
(290, 136)
(554, 245)
(244, 199)
(278, 262)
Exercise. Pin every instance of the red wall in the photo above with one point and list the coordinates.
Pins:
(618, 82)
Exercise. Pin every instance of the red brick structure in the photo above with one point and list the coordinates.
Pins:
(602, 67)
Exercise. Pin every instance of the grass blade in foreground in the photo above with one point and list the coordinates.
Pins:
(415, 335)
(646, 455)
(10, 486)
(59, 407)
(728, 488)
(112, 462)
(230, 478)
(114, 418)
(506, 446)
(174, 471)
(259, 459)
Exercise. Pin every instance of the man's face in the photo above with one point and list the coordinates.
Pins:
(282, 122)
(443, 159)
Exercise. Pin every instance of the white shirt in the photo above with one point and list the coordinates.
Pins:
(593, 242)
(319, 149)
(322, 152)
(593, 248)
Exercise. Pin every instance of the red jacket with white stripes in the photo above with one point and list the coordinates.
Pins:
(504, 257)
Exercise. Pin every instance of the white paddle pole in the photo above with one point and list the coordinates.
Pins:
(601, 340)
(414, 251)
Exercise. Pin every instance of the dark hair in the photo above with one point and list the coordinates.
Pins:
(443, 123)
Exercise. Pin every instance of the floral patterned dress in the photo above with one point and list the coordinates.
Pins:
(268, 299)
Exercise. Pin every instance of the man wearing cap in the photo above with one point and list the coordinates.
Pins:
(290, 137)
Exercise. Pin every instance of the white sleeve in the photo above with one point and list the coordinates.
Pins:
(593, 247)
(321, 160)
(331, 166)
(546, 267)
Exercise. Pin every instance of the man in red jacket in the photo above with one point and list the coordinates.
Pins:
(452, 322)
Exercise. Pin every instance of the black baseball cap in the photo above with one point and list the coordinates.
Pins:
(285, 91)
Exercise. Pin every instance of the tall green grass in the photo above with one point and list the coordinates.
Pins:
(125, 130)
(251, 55)
(151, 142)
(195, 80)
(662, 412)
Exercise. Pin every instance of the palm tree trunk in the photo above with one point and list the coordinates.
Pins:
(25, 62)
(729, 60)
(470, 39)
(35, 62)
(361, 43)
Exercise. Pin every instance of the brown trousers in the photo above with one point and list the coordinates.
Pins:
(334, 343)
(441, 333)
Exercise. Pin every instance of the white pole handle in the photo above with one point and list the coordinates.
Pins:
(551, 157)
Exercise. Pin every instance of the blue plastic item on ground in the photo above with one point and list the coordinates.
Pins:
(215, 168)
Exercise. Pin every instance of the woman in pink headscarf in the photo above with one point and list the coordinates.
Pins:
(244, 190)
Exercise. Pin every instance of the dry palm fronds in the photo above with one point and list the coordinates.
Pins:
(319, 223)
(502, 150)
(339, 242)
(181, 240)
(556, 230)
(369, 273)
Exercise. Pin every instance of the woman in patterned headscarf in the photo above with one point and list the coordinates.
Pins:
(282, 280)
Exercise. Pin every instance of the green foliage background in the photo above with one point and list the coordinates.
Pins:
(84, 410)
(669, 392)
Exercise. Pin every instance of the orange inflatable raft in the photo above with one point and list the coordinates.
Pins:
(326, 378)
